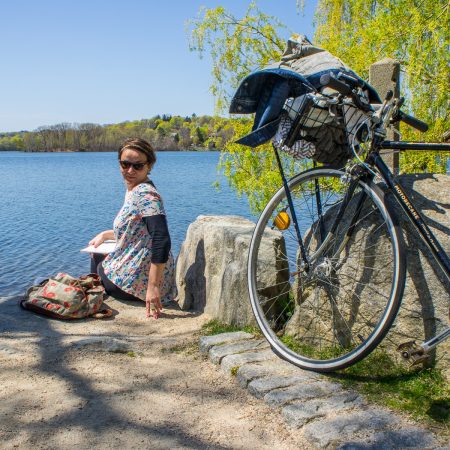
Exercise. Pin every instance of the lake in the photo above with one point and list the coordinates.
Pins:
(52, 204)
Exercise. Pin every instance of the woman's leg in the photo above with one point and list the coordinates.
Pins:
(96, 259)
(113, 290)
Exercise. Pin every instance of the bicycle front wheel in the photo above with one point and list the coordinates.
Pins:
(334, 310)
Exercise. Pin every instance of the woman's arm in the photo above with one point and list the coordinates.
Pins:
(102, 237)
(153, 295)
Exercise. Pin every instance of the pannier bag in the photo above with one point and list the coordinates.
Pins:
(67, 297)
(296, 111)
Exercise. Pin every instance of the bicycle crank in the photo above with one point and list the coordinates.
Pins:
(413, 352)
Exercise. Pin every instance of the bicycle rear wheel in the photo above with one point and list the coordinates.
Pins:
(333, 313)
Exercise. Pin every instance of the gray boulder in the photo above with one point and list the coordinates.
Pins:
(211, 271)
(425, 307)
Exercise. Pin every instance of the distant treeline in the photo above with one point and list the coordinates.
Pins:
(164, 132)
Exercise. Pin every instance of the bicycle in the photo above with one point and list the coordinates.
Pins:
(326, 267)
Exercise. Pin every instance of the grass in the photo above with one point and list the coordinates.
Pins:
(189, 348)
(215, 327)
(421, 393)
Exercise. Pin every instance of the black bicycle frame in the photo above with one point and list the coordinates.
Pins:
(414, 216)
(398, 192)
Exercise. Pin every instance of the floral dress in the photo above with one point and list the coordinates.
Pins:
(129, 264)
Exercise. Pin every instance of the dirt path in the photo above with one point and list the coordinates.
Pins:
(121, 383)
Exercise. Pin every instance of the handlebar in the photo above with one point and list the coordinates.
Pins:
(412, 121)
(329, 80)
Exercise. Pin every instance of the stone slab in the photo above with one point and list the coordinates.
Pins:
(330, 432)
(300, 413)
(231, 361)
(280, 397)
(218, 352)
(206, 342)
(260, 387)
(261, 369)
(103, 344)
(406, 438)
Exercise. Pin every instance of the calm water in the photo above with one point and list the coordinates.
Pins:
(52, 204)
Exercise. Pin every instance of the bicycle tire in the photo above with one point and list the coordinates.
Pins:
(335, 313)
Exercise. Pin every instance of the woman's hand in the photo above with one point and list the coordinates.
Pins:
(100, 238)
(153, 301)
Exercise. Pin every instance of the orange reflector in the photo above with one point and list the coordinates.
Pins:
(282, 221)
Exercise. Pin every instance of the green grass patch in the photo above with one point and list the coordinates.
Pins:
(215, 327)
(234, 371)
(188, 348)
(422, 393)
(131, 354)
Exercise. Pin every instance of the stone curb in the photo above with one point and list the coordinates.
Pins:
(327, 415)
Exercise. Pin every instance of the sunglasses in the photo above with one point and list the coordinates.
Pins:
(127, 164)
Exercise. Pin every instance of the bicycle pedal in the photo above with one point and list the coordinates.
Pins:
(411, 351)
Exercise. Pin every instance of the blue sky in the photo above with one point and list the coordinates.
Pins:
(109, 61)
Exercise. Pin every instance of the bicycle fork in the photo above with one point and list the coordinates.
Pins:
(325, 237)
(293, 215)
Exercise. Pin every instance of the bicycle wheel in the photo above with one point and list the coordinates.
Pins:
(334, 312)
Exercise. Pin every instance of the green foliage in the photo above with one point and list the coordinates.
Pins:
(254, 172)
(416, 34)
(235, 44)
(165, 133)
(422, 393)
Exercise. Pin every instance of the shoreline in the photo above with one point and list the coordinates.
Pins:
(197, 150)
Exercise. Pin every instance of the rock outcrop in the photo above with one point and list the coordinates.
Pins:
(212, 268)
(425, 307)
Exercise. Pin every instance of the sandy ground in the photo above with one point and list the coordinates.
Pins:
(62, 387)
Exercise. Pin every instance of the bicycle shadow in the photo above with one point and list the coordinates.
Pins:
(426, 283)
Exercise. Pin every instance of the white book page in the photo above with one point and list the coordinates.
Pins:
(104, 248)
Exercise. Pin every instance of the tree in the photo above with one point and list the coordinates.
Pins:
(235, 45)
(358, 31)
(415, 33)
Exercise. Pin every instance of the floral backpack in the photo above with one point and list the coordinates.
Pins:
(67, 297)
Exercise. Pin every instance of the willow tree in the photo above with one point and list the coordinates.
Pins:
(360, 32)
(238, 45)
(415, 33)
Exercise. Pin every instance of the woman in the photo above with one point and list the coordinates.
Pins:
(141, 266)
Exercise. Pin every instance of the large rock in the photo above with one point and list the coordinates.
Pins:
(211, 269)
(425, 308)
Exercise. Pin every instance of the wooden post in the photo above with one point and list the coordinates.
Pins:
(384, 75)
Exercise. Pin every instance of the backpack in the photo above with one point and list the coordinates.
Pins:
(67, 297)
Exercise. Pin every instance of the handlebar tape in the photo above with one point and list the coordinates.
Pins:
(413, 122)
(329, 80)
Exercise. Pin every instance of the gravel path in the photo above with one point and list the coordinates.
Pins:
(120, 383)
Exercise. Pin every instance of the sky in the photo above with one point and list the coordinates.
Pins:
(110, 61)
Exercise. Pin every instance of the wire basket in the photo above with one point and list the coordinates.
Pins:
(319, 127)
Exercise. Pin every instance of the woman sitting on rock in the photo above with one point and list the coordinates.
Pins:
(141, 267)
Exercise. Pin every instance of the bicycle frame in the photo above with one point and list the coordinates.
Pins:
(409, 350)
(414, 216)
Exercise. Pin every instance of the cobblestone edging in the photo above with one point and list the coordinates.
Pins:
(328, 416)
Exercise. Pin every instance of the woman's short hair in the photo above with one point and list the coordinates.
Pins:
(140, 146)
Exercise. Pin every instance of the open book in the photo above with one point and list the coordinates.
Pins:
(104, 248)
